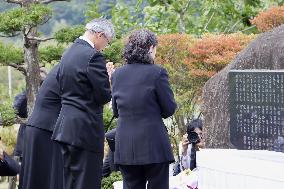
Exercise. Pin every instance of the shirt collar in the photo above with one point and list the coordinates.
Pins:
(87, 40)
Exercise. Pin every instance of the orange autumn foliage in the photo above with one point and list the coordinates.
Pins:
(269, 19)
(211, 53)
(173, 48)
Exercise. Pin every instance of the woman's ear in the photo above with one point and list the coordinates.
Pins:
(151, 49)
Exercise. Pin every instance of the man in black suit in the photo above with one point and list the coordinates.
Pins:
(85, 88)
(42, 165)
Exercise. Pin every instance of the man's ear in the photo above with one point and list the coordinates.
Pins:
(151, 49)
(100, 34)
(97, 35)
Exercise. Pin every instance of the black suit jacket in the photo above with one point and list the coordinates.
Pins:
(141, 98)
(47, 104)
(85, 88)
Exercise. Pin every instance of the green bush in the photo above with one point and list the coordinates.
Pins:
(114, 52)
(8, 137)
(7, 112)
(108, 181)
(107, 118)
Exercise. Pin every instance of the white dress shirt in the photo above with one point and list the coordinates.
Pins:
(87, 40)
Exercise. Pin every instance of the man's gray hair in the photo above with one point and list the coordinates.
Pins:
(101, 25)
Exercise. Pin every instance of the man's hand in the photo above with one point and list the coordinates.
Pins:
(110, 68)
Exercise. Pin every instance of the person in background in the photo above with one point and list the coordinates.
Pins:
(21, 108)
(42, 165)
(141, 98)
(192, 141)
(20, 105)
(8, 166)
(185, 175)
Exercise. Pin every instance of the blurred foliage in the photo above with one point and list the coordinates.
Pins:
(198, 17)
(18, 82)
(114, 52)
(189, 16)
(51, 53)
(17, 19)
(69, 34)
(70, 13)
(7, 113)
(8, 137)
(6, 107)
(107, 182)
(211, 53)
(93, 10)
(269, 19)
(126, 15)
(10, 54)
(107, 116)
(4, 6)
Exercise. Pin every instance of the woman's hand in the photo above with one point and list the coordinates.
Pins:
(185, 143)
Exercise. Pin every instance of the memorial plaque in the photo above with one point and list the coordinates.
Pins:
(256, 108)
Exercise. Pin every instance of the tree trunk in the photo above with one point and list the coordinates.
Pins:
(31, 58)
(181, 23)
(181, 125)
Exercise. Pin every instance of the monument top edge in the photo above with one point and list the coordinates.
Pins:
(257, 70)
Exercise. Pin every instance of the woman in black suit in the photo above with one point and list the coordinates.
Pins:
(142, 97)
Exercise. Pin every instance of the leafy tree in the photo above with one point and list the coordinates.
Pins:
(198, 17)
(125, 15)
(182, 16)
(23, 20)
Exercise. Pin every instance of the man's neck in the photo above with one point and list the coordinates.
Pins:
(88, 39)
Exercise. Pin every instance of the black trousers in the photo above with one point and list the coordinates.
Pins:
(136, 176)
(42, 163)
(82, 169)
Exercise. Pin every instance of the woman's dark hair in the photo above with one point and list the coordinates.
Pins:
(137, 48)
(196, 123)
